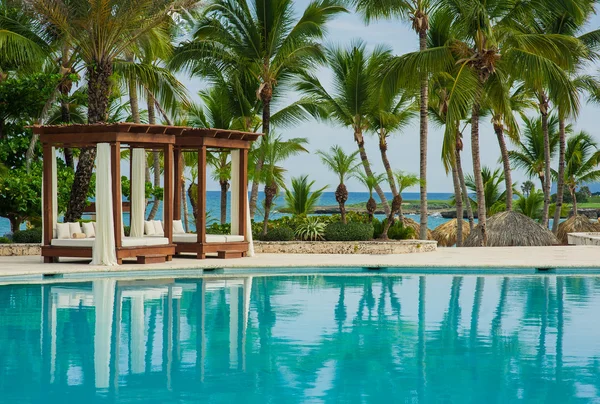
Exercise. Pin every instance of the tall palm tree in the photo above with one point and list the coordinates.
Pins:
(343, 165)
(300, 199)
(100, 32)
(405, 181)
(582, 158)
(370, 182)
(418, 12)
(352, 98)
(264, 40)
(221, 165)
(530, 154)
(495, 196)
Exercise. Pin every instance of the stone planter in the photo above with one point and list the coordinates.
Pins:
(20, 249)
(345, 247)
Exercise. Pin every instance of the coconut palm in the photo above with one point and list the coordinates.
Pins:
(100, 32)
(370, 182)
(354, 72)
(529, 154)
(221, 166)
(494, 195)
(343, 165)
(262, 39)
(532, 204)
(582, 158)
(301, 199)
(405, 181)
(419, 13)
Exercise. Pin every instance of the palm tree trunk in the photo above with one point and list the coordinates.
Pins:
(547, 174)
(459, 205)
(65, 117)
(423, 140)
(386, 162)
(367, 166)
(561, 175)
(98, 77)
(270, 193)
(266, 94)
(481, 208)
(224, 188)
(506, 163)
(155, 157)
(465, 194)
(133, 97)
(574, 197)
(184, 207)
(341, 196)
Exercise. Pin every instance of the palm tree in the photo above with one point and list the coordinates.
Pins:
(532, 204)
(343, 165)
(494, 195)
(354, 73)
(582, 158)
(301, 199)
(275, 151)
(370, 182)
(100, 31)
(418, 12)
(261, 39)
(221, 165)
(530, 154)
(405, 181)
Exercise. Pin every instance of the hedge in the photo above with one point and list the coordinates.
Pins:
(5, 240)
(30, 236)
(282, 233)
(353, 231)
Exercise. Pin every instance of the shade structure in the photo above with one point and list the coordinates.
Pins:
(576, 224)
(511, 229)
(407, 222)
(446, 234)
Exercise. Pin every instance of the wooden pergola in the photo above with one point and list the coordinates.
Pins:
(201, 141)
(153, 137)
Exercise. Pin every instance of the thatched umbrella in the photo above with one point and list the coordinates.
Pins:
(446, 234)
(576, 224)
(407, 222)
(508, 229)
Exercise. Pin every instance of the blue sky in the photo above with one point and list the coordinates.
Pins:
(404, 146)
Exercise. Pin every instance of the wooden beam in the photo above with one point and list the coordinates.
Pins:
(47, 195)
(115, 162)
(178, 169)
(243, 194)
(201, 214)
(168, 192)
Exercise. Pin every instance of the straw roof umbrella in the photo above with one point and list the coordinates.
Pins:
(576, 224)
(445, 234)
(407, 222)
(508, 229)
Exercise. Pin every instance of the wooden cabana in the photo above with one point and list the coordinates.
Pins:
(238, 243)
(109, 140)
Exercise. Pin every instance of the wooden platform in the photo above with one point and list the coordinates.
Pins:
(223, 250)
(52, 254)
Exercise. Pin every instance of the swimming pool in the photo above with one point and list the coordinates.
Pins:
(298, 339)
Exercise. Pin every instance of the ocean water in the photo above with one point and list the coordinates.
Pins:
(303, 339)
(213, 202)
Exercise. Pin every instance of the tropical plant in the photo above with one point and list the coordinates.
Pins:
(354, 75)
(261, 39)
(370, 182)
(405, 181)
(343, 165)
(311, 229)
(531, 204)
(301, 199)
(582, 158)
(494, 195)
(221, 166)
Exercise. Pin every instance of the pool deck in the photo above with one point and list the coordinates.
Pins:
(565, 257)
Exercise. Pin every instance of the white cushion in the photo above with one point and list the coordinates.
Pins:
(215, 238)
(62, 231)
(73, 242)
(88, 229)
(144, 241)
(158, 228)
(178, 227)
(74, 228)
(210, 238)
(185, 238)
(233, 239)
(149, 228)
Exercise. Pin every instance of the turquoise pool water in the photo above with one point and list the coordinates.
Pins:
(303, 339)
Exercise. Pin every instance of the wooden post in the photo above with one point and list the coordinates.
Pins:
(201, 214)
(47, 195)
(177, 160)
(115, 162)
(243, 194)
(131, 186)
(168, 192)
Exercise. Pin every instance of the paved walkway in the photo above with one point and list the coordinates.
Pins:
(467, 258)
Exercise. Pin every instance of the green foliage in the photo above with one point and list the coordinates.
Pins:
(353, 231)
(24, 98)
(396, 232)
(532, 204)
(30, 236)
(5, 240)
(150, 191)
(282, 233)
(218, 228)
(311, 228)
(340, 163)
(127, 230)
(301, 199)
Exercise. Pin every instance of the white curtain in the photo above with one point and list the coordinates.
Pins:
(249, 229)
(138, 192)
(235, 192)
(104, 299)
(138, 347)
(54, 182)
(104, 245)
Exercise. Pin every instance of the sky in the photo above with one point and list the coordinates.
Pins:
(403, 147)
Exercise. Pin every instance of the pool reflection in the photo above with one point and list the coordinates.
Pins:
(298, 339)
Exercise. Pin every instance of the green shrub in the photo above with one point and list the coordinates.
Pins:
(127, 230)
(217, 228)
(28, 236)
(279, 234)
(5, 240)
(311, 229)
(396, 232)
(353, 231)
